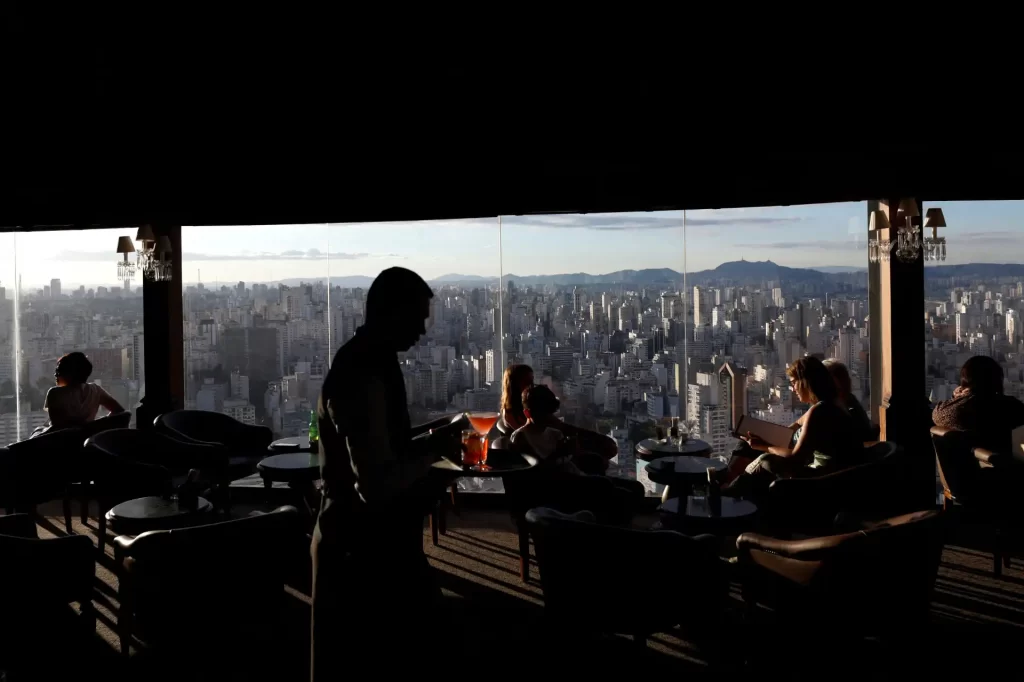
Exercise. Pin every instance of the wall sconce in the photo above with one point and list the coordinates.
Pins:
(934, 246)
(908, 243)
(878, 249)
(908, 236)
(154, 257)
(125, 267)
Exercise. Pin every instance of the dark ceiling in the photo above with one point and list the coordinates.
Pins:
(123, 120)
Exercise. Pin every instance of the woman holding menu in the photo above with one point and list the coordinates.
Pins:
(827, 439)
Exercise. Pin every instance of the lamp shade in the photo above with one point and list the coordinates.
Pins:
(908, 208)
(879, 221)
(145, 234)
(163, 246)
(933, 218)
(124, 245)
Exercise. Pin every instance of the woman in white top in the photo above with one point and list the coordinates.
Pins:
(73, 402)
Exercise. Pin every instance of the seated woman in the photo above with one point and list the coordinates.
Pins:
(980, 408)
(73, 402)
(541, 436)
(517, 378)
(827, 440)
(841, 375)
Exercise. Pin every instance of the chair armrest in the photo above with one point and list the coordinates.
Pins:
(811, 549)
(998, 459)
(19, 526)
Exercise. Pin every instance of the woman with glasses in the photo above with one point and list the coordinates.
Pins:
(826, 440)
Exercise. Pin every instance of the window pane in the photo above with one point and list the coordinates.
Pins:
(458, 364)
(771, 285)
(973, 299)
(596, 305)
(71, 299)
(256, 337)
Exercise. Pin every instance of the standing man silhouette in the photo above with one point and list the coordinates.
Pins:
(371, 583)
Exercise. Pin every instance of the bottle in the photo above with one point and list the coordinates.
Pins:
(714, 492)
(314, 432)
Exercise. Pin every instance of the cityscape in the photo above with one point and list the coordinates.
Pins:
(625, 351)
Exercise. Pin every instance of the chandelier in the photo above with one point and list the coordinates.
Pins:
(154, 256)
(908, 244)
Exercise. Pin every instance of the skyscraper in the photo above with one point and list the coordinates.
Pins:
(1012, 326)
(54, 288)
(139, 358)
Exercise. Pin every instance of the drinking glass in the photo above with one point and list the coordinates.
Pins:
(474, 449)
(483, 422)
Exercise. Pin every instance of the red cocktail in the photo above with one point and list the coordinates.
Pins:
(474, 449)
(483, 422)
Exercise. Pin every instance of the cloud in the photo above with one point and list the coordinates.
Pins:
(647, 221)
(290, 255)
(817, 244)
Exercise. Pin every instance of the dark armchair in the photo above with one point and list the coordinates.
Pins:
(80, 472)
(873, 581)
(37, 470)
(612, 502)
(39, 575)
(246, 444)
(876, 489)
(216, 585)
(578, 556)
(978, 486)
(129, 463)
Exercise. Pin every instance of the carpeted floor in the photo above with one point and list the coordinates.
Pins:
(502, 631)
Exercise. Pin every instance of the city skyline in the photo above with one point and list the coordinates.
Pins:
(795, 236)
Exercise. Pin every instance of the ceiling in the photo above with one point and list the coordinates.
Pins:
(120, 120)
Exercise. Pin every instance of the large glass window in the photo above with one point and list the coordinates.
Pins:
(631, 318)
(256, 322)
(60, 292)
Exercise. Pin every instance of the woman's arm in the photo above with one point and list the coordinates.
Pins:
(108, 401)
(812, 436)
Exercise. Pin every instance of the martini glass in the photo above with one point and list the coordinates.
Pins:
(482, 423)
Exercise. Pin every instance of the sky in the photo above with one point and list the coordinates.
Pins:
(796, 236)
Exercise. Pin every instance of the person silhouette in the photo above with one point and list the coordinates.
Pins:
(371, 581)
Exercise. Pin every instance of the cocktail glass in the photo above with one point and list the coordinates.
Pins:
(482, 423)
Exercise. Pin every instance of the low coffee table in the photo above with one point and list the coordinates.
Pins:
(680, 474)
(156, 513)
(300, 470)
(650, 450)
(685, 514)
(291, 444)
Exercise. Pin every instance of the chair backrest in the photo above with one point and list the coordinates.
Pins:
(875, 486)
(40, 467)
(58, 569)
(577, 556)
(566, 493)
(121, 420)
(148, 447)
(223, 577)
(958, 468)
(214, 427)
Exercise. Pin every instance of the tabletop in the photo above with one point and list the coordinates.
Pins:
(290, 466)
(499, 463)
(732, 508)
(290, 444)
(662, 448)
(669, 467)
(155, 509)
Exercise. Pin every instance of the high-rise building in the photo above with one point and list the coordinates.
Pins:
(54, 288)
(109, 364)
(1013, 329)
(139, 358)
(698, 320)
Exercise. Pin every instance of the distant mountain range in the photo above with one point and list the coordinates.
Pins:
(736, 272)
